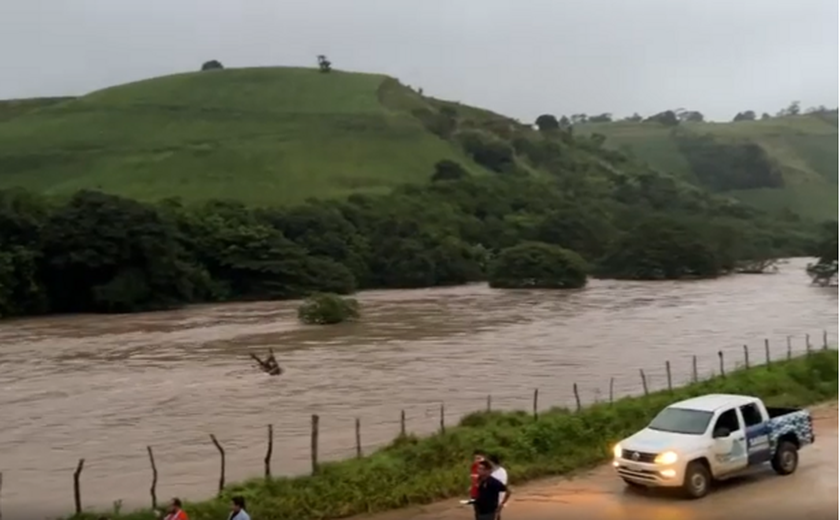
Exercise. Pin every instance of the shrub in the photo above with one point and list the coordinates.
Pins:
(447, 170)
(538, 265)
(416, 471)
(327, 309)
(487, 151)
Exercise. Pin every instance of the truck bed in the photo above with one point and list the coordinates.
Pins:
(777, 411)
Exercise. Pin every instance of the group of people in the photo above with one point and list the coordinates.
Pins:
(489, 492)
(175, 510)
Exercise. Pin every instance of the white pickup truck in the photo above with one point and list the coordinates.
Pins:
(714, 437)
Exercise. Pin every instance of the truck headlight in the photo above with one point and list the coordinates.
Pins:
(617, 451)
(668, 457)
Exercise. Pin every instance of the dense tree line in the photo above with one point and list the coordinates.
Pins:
(102, 253)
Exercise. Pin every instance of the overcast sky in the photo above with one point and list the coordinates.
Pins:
(518, 57)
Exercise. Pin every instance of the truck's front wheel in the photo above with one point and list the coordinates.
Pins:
(697, 480)
(786, 459)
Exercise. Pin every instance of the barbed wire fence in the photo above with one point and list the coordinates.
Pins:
(435, 417)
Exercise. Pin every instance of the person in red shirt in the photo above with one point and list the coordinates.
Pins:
(478, 457)
(175, 511)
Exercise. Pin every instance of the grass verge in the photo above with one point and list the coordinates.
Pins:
(413, 470)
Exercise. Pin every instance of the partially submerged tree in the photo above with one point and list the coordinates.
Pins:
(327, 309)
(824, 272)
(537, 265)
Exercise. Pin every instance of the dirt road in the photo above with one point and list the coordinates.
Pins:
(810, 493)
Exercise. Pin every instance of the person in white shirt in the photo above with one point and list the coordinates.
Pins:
(500, 474)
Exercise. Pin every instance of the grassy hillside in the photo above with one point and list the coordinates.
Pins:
(12, 108)
(802, 148)
(275, 136)
(265, 136)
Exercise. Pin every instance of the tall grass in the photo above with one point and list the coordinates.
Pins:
(413, 470)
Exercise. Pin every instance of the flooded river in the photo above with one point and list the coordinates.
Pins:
(105, 387)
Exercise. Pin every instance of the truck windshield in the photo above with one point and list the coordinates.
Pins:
(681, 420)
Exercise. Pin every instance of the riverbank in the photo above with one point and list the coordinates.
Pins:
(598, 493)
(417, 471)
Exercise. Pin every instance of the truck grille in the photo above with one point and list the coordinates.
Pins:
(643, 457)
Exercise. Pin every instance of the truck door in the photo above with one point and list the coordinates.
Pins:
(729, 444)
(757, 430)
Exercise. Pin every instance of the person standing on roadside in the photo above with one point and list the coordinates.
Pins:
(175, 512)
(487, 505)
(478, 456)
(500, 474)
(237, 510)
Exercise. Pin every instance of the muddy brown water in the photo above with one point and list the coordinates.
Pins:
(105, 387)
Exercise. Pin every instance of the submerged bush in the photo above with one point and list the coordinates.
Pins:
(539, 266)
(327, 309)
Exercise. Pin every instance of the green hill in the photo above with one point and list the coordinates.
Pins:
(798, 154)
(278, 136)
(263, 135)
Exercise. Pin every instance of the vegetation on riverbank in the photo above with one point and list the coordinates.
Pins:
(102, 253)
(413, 470)
(824, 271)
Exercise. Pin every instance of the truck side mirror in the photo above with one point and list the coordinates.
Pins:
(721, 433)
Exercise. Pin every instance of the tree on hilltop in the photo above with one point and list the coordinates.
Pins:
(666, 118)
(212, 65)
(606, 117)
(324, 65)
(747, 115)
(547, 123)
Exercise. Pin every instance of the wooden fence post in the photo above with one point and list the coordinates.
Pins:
(577, 396)
(153, 489)
(489, 403)
(746, 356)
(358, 439)
(612, 382)
(268, 451)
(314, 443)
(536, 403)
(402, 423)
(694, 369)
(668, 372)
(825, 339)
(77, 492)
(442, 418)
(789, 349)
(644, 381)
(722, 371)
(222, 455)
(767, 351)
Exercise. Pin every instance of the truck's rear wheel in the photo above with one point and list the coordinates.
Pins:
(697, 480)
(786, 459)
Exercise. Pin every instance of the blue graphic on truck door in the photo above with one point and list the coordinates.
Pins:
(758, 443)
